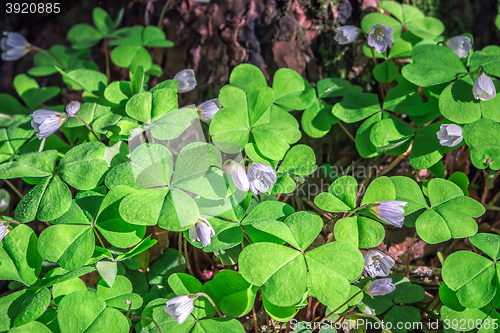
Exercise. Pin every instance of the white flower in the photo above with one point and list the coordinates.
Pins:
(483, 88)
(261, 177)
(72, 108)
(180, 307)
(365, 309)
(239, 176)
(380, 37)
(3, 231)
(14, 46)
(460, 45)
(3, 205)
(380, 287)
(390, 211)
(208, 109)
(346, 34)
(46, 122)
(202, 231)
(378, 263)
(450, 135)
(4, 200)
(186, 80)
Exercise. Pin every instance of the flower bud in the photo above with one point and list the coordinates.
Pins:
(180, 307)
(450, 135)
(3, 231)
(202, 231)
(72, 108)
(46, 122)
(346, 34)
(239, 177)
(380, 287)
(483, 88)
(390, 211)
(14, 46)
(208, 109)
(460, 45)
(186, 80)
(365, 309)
(4, 200)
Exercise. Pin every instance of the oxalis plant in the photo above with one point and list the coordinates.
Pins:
(111, 173)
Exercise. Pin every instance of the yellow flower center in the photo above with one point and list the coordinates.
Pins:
(378, 33)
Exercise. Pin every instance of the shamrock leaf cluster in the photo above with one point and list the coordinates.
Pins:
(129, 208)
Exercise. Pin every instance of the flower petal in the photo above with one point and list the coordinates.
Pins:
(2, 230)
(15, 39)
(239, 177)
(208, 109)
(346, 34)
(72, 108)
(186, 80)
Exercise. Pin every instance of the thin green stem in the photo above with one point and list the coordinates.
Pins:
(42, 145)
(347, 132)
(245, 235)
(129, 302)
(228, 161)
(396, 161)
(86, 125)
(330, 238)
(409, 255)
(14, 188)
(340, 306)
(344, 316)
(186, 257)
(211, 301)
(150, 319)
(163, 11)
(373, 56)
(180, 249)
(98, 237)
(487, 185)
(48, 54)
(255, 323)
(12, 221)
(6, 117)
(373, 317)
(356, 210)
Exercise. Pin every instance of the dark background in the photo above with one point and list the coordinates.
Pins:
(213, 38)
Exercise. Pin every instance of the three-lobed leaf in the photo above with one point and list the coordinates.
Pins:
(433, 64)
(451, 215)
(281, 272)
